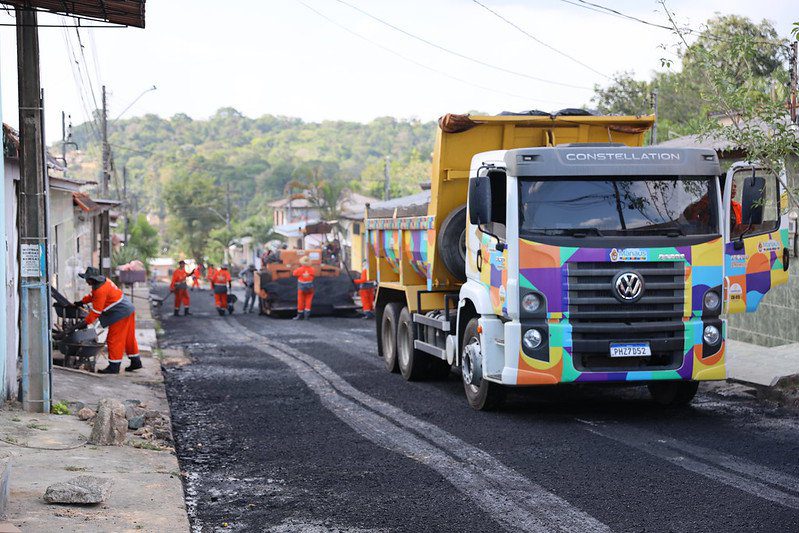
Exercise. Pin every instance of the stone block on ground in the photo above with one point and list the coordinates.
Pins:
(82, 490)
(135, 422)
(8, 527)
(110, 424)
(86, 413)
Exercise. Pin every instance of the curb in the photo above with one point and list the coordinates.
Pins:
(5, 482)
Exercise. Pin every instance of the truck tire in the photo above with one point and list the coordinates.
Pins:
(451, 242)
(388, 335)
(412, 363)
(673, 393)
(487, 395)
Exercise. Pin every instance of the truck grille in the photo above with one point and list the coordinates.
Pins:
(598, 318)
(591, 291)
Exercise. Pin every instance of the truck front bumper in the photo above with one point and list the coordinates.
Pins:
(576, 353)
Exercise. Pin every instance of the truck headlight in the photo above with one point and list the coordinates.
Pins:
(712, 300)
(531, 302)
(712, 335)
(532, 339)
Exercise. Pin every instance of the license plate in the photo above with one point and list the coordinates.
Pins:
(639, 349)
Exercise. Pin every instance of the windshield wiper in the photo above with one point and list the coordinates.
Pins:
(572, 232)
(583, 232)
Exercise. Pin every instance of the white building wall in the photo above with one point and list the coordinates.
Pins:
(8, 372)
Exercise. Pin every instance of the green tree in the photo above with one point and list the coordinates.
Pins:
(624, 96)
(737, 81)
(194, 202)
(144, 238)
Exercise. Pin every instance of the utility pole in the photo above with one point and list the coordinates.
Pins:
(654, 139)
(794, 80)
(105, 216)
(35, 343)
(66, 139)
(387, 179)
(227, 222)
(125, 199)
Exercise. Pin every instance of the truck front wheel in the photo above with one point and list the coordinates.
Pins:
(481, 394)
(673, 393)
(388, 334)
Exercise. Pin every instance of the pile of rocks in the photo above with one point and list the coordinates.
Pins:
(113, 419)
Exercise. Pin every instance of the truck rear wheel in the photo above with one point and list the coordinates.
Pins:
(673, 393)
(388, 335)
(483, 395)
(451, 243)
(412, 363)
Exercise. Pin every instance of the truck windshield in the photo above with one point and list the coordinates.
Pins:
(668, 206)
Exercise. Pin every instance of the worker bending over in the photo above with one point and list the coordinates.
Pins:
(108, 303)
(366, 289)
(221, 282)
(305, 275)
(180, 288)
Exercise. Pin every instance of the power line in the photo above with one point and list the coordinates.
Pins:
(78, 79)
(422, 65)
(458, 54)
(599, 8)
(539, 41)
(86, 66)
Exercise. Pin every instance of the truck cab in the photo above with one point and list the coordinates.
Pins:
(608, 263)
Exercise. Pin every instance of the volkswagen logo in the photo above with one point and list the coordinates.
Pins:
(628, 287)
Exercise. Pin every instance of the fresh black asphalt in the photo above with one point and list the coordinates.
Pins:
(261, 452)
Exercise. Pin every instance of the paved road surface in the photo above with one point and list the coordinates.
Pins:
(296, 426)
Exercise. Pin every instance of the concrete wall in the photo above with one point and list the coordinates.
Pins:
(8, 372)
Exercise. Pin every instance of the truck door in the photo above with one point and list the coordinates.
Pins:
(756, 256)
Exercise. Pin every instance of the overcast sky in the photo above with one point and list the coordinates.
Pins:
(283, 58)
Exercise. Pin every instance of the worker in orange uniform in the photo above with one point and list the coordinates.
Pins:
(366, 289)
(221, 283)
(210, 273)
(108, 303)
(305, 275)
(195, 278)
(180, 288)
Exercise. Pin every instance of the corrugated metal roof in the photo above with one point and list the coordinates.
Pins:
(125, 12)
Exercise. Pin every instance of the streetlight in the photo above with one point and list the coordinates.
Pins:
(134, 101)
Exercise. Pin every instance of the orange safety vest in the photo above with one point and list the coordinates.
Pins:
(102, 299)
(178, 278)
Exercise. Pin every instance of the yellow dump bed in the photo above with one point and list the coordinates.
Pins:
(403, 250)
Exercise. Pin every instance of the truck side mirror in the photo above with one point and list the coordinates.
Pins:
(753, 198)
(479, 200)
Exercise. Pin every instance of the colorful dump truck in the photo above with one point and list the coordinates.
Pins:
(557, 249)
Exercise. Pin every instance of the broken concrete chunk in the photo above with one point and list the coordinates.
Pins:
(110, 425)
(135, 422)
(132, 411)
(151, 414)
(82, 489)
(86, 413)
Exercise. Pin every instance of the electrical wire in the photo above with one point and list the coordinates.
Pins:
(599, 8)
(422, 65)
(78, 79)
(458, 54)
(86, 67)
(539, 41)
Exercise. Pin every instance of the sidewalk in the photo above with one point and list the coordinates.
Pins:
(756, 365)
(147, 491)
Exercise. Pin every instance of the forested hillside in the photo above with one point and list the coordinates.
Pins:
(182, 168)
(257, 157)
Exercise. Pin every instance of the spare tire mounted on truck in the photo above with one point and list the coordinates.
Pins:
(451, 242)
